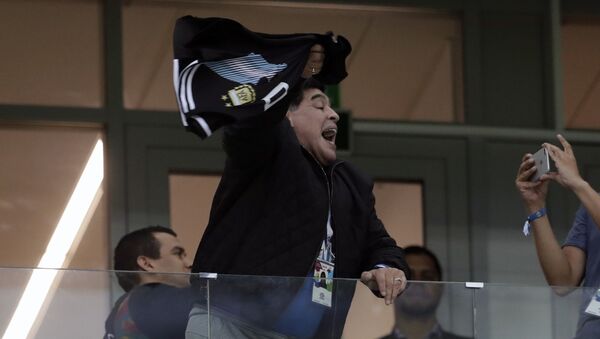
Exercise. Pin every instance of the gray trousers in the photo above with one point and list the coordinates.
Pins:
(221, 324)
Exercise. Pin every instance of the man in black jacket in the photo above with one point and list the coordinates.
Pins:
(285, 206)
(283, 201)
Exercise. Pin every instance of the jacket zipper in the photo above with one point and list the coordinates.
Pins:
(330, 217)
(330, 196)
(333, 295)
(330, 192)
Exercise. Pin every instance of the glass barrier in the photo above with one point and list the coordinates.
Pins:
(51, 303)
(514, 311)
(275, 307)
(47, 303)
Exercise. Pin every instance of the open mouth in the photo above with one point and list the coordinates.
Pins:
(329, 134)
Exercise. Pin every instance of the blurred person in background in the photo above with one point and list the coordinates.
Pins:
(415, 310)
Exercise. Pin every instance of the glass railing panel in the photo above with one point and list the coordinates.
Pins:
(46, 303)
(12, 282)
(283, 307)
(515, 311)
(439, 307)
(49, 303)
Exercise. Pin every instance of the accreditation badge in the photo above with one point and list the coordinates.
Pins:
(322, 289)
(593, 307)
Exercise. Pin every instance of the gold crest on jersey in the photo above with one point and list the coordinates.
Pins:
(239, 95)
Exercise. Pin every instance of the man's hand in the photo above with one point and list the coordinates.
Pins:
(567, 173)
(532, 193)
(390, 282)
(315, 61)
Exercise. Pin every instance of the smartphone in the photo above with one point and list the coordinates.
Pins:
(542, 163)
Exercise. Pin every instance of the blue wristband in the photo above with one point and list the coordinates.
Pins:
(533, 216)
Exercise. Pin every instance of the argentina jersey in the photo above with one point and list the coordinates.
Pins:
(224, 73)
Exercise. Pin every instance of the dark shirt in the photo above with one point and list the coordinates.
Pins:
(585, 235)
(152, 311)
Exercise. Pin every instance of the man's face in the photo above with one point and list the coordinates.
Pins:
(173, 258)
(315, 124)
(420, 299)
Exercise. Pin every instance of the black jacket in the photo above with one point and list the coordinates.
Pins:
(269, 217)
(269, 213)
(152, 311)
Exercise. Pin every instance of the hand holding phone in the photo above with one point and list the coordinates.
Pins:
(542, 164)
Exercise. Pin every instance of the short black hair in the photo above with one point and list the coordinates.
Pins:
(420, 250)
(298, 94)
(130, 247)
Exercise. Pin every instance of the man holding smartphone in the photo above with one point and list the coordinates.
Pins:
(577, 261)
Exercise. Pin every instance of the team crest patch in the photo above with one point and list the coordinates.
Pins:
(239, 95)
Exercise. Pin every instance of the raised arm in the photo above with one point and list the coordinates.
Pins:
(567, 174)
(561, 266)
(251, 142)
(225, 74)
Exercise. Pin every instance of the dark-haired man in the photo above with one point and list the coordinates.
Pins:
(285, 206)
(295, 211)
(415, 310)
(157, 303)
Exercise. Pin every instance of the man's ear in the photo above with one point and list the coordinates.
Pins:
(289, 116)
(145, 263)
